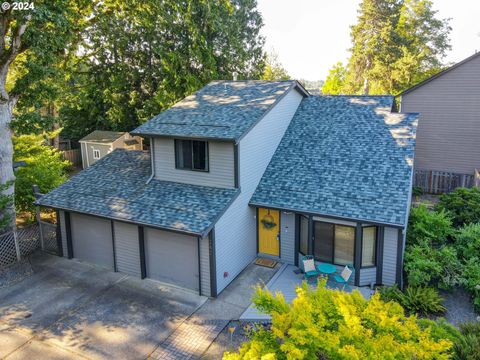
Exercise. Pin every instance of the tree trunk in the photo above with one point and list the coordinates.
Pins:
(6, 155)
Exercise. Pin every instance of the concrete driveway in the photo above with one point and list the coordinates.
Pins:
(68, 309)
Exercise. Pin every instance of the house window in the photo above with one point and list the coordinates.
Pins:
(334, 243)
(303, 235)
(369, 245)
(191, 155)
(96, 154)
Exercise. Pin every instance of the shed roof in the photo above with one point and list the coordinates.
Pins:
(116, 187)
(224, 110)
(343, 156)
(102, 136)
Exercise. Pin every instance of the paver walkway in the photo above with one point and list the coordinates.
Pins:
(190, 340)
(194, 336)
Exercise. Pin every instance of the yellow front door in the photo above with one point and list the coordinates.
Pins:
(269, 231)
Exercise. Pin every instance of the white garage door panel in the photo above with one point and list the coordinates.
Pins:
(172, 258)
(92, 240)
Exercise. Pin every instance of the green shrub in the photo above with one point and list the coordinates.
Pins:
(462, 204)
(44, 167)
(425, 265)
(330, 324)
(422, 300)
(417, 191)
(467, 240)
(416, 300)
(430, 227)
(471, 279)
(391, 293)
(467, 346)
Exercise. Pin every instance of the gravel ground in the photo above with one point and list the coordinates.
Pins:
(15, 273)
(459, 307)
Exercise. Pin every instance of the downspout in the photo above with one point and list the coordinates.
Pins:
(152, 159)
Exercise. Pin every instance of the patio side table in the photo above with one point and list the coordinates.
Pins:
(327, 269)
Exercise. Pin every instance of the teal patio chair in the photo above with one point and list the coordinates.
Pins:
(308, 268)
(342, 279)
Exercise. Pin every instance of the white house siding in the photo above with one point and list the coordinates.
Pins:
(205, 266)
(368, 276)
(449, 125)
(390, 243)
(127, 250)
(63, 233)
(235, 232)
(221, 165)
(287, 237)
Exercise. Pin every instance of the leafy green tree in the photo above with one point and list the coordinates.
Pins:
(395, 44)
(44, 167)
(327, 324)
(31, 44)
(141, 57)
(274, 69)
(335, 81)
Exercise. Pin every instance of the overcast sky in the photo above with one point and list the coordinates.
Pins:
(311, 35)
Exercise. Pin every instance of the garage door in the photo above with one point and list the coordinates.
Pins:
(172, 258)
(92, 240)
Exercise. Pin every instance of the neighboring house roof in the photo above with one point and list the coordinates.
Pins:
(116, 187)
(441, 73)
(224, 110)
(346, 157)
(100, 136)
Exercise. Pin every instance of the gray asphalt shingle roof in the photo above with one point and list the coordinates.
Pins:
(343, 156)
(219, 110)
(115, 187)
(102, 136)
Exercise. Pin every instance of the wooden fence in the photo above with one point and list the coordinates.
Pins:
(477, 178)
(439, 182)
(74, 156)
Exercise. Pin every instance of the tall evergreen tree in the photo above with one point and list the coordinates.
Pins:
(395, 43)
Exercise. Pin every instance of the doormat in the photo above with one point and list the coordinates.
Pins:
(265, 262)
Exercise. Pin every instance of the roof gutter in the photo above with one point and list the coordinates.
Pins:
(190, 233)
(397, 226)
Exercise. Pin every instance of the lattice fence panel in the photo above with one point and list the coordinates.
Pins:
(49, 233)
(28, 239)
(8, 253)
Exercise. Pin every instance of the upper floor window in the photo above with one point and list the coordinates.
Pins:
(96, 154)
(191, 155)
